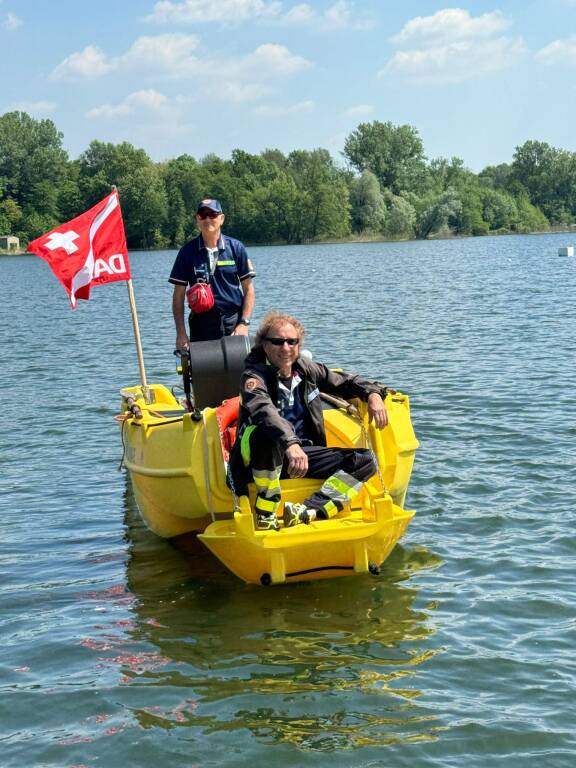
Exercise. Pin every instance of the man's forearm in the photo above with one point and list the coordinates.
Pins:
(249, 300)
(178, 308)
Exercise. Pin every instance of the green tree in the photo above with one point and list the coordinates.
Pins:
(144, 207)
(277, 207)
(69, 199)
(467, 219)
(530, 218)
(499, 209)
(435, 211)
(275, 156)
(400, 216)
(324, 206)
(186, 183)
(548, 175)
(104, 165)
(394, 154)
(31, 160)
(496, 176)
(140, 185)
(248, 174)
(368, 209)
(449, 174)
(10, 217)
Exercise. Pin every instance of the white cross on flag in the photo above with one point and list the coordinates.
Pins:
(88, 250)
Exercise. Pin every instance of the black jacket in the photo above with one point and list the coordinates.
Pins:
(259, 396)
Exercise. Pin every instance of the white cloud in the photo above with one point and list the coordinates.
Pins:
(454, 63)
(89, 63)
(559, 52)
(199, 11)
(34, 108)
(270, 60)
(300, 14)
(248, 78)
(451, 46)
(242, 79)
(12, 22)
(360, 110)
(340, 15)
(147, 100)
(170, 54)
(302, 107)
(451, 24)
(173, 55)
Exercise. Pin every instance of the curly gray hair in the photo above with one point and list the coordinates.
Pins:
(272, 320)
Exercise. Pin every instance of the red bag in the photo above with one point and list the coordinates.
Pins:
(200, 297)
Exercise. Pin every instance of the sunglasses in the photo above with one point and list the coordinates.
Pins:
(278, 342)
(208, 215)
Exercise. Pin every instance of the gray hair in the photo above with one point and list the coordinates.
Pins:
(273, 319)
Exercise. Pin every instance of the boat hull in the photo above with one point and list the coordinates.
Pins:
(177, 466)
(324, 549)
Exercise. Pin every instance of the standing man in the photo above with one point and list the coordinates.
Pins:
(281, 427)
(221, 262)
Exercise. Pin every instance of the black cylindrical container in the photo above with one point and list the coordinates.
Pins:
(215, 369)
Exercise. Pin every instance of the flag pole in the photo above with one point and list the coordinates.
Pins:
(145, 387)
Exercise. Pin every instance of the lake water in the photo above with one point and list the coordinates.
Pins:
(120, 650)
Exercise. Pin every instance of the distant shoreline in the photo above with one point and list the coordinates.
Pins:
(553, 230)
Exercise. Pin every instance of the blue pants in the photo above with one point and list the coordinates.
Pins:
(211, 325)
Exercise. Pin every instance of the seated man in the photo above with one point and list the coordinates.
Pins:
(281, 427)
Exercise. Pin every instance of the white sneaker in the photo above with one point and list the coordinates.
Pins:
(295, 514)
(267, 522)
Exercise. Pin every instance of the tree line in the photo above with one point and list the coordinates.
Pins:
(386, 188)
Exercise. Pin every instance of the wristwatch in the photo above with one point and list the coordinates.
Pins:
(242, 321)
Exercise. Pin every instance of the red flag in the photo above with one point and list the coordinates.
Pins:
(88, 250)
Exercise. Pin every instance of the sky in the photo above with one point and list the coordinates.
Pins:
(476, 79)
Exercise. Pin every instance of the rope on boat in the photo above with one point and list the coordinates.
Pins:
(124, 419)
(207, 471)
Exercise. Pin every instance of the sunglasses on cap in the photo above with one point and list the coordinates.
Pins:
(278, 342)
(207, 214)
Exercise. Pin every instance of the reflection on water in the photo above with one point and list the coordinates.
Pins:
(324, 665)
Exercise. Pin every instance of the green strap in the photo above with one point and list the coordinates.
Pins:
(245, 444)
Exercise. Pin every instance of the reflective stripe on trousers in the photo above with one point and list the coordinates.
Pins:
(267, 481)
(339, 489)
(268, 493)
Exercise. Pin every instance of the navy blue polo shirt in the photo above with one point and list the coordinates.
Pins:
(232, 266)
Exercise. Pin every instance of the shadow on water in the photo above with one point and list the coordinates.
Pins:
(324, 665)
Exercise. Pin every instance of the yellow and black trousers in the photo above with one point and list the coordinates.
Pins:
(344, 471)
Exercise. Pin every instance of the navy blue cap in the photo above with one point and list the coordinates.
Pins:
(213, 205)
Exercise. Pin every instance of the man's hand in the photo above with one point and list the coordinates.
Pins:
(182, 341)
(377, 411)
(297, 461)
(240, 330)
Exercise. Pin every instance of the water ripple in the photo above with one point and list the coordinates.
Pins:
(120, 649)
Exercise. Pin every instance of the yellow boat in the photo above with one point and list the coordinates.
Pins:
(177, 461)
